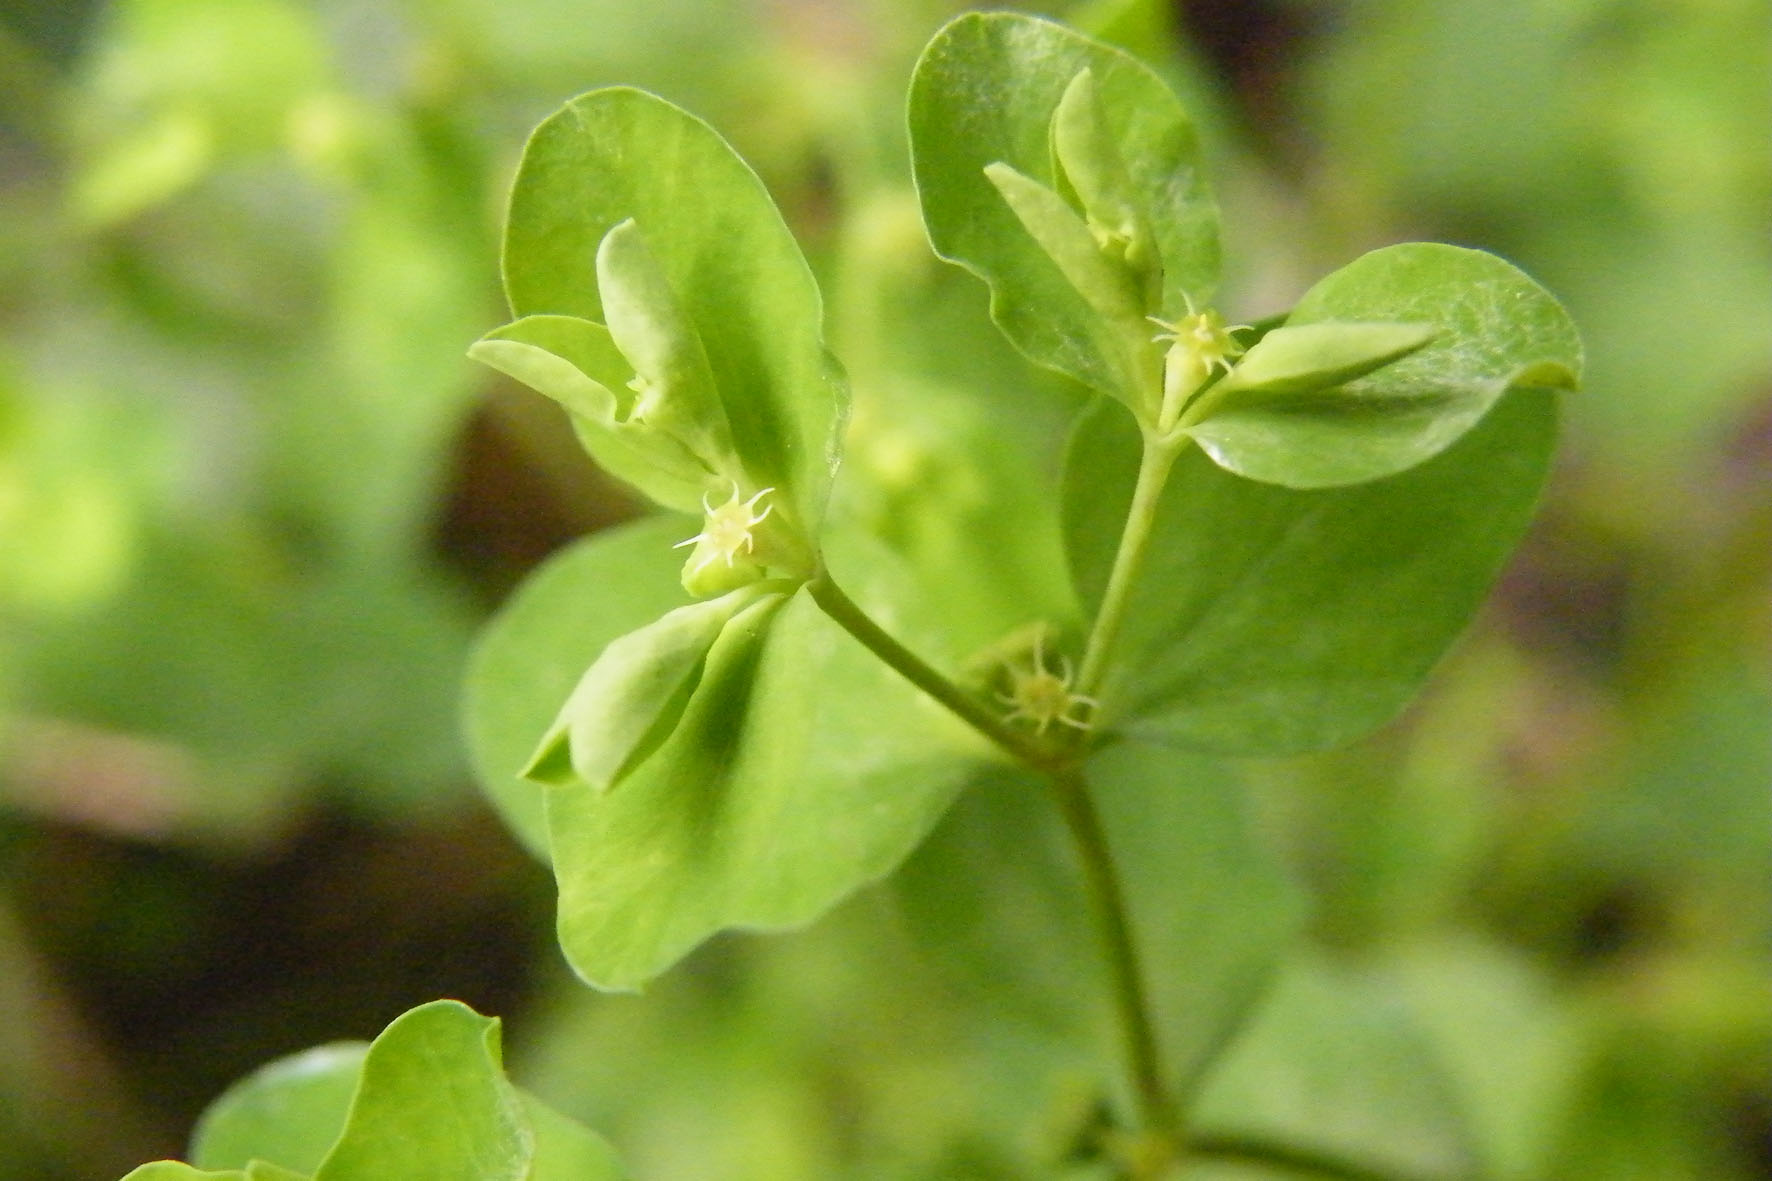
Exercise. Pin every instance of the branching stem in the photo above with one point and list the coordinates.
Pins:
(975, 713)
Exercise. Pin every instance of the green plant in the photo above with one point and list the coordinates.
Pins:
(1270, 533)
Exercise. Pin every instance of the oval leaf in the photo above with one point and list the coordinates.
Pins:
(720, 247)
(1268, 620)
(989, 91)
(1494, 329)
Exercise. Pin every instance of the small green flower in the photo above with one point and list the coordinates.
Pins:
(1041, 696)
(1199, 343)
(725, 554)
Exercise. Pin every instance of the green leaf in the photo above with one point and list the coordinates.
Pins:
(632, 696)
(171, 1170)
(722, 250)
(432, 1102)
(1304, 358)
(991, 89)
(259, 1170)
(1178, 826)
(1268, 620)
(428, 1098)
(1088, 163)
(802, 768)
(1494, 329)
(576, 363)
(290, 1111)
(1119, 332)
(543, 638)
(675, 386)
(1331, 1065)
(174, 87)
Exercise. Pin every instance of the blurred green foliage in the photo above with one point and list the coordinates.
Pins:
(254, 501)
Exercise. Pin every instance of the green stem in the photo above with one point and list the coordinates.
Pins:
(844, 611)
(1108, 899)
(1293, 1158)
(1153, 472)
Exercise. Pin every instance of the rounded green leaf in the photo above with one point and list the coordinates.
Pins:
(1492, 328)
(289, 1112)
(1269, 620)
(432, 1103)
(802, 768)
(428, 1098)
(722, 252)
(538, 645)
(1000, 89)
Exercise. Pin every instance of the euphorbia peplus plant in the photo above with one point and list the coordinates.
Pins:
(1272, 530)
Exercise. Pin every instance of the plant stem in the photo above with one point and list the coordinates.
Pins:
(849, 616)
(1157, 1144)
(1156, 1112)
(1292, 1158)
(1153, 472)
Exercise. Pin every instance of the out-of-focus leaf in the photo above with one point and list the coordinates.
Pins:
(180, 83)
(168, 1170)
(289, 1111)
(1179, 828)
(1331, 1065)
